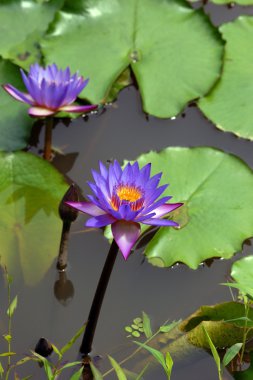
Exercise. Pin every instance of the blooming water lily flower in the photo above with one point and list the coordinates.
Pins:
(125, 198)
(50, 90)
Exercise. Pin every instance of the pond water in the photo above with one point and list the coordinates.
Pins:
(49, 310)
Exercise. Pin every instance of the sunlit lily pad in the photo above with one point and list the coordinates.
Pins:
(229, 105)
(15, 123)
(30, 227)
(218, 213)
(22, 24)
(173, 50)
(242, 272)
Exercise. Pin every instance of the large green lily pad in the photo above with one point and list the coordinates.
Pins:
(173, 50)
(30, 228)
(229, 105)
(15, 123)
(22, 24)
(217, 215)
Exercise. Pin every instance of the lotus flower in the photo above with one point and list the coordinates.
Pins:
(50, 90)
(125, 199)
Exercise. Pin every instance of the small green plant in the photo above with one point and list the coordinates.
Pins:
(245, 295)
(230, 354)
(139, 327)
(12, 305)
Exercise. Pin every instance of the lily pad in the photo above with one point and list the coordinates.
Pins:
(213, 318)
(31, 18)
(216, 189)
(174, 51)
(229, 104)
(15, 123)
(242, 272)
(30, 228)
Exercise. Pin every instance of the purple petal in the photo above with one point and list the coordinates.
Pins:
(126, 234)
(78, 109)
(166, 208)
(18, 95)
(156, 204)
(100, 221)
(117, 169)
(103, 170)
(40, 112)
(160, 222)
(126, 212)
(87, 208)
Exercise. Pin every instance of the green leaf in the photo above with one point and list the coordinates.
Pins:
(128, 329)
(140, 376)
(169, 364)
(15, 123)
(234, 312)
(167, 81)
(243, 288)
(214, 352)
(31, 190)
(242, 273)
(12, 307)
(8, 354)
(67, 346)
(146, 325)
(20, 44)
(76, 375)
(97, 375)
(155, 353)
(7, 337)
(229, 104)
(217, 215)
(167, 328)
(57, 351)
(119, 371)
(1, 369)
(46, 364)
(136, 334)
(231, 353)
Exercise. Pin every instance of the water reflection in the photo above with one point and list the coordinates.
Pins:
(63, 289)
(29, 197)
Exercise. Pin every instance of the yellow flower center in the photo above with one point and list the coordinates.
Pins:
(128, 193)
(125, 193)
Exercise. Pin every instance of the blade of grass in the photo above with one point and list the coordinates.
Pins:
(119, 371)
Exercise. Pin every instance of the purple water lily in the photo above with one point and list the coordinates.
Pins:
(125, 198)
(50, 90)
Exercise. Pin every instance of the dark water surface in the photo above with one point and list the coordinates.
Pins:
(122, 132)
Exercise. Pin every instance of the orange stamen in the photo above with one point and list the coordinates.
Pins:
(128, 193)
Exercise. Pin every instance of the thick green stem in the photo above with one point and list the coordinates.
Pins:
(88, 336)
(48, 138)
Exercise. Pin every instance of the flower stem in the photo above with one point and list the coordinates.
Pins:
(48, 138)
(89, 332)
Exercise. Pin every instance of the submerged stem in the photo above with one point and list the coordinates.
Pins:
(48, 138)
(98, 300)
